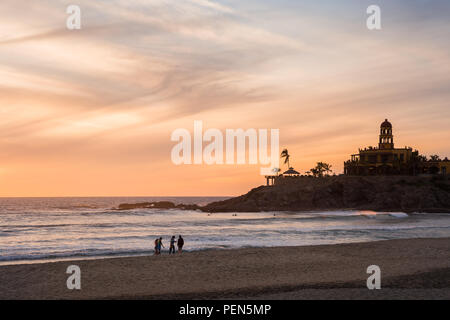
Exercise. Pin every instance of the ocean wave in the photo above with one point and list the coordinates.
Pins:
(74, 254)
(78, 229)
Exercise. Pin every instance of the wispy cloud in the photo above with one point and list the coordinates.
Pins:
(107, 96)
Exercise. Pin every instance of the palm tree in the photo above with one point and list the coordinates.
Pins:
(286, 156)
(320, 169)
(435, 157)
(422, 158)
(326, 167)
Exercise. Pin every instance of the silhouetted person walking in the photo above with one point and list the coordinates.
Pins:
(159, 245)
(156, 245)
(172, 245)
(180, 244)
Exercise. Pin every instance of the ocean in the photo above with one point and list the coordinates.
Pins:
(51, 229)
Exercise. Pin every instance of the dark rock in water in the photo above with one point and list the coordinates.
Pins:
(157, 205)
(378, 193)
(154, 205)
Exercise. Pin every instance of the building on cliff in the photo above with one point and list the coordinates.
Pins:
(388, 160)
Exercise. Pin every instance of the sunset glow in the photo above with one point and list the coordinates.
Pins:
(90, 112)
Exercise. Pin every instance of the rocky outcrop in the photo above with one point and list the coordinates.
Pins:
(388, 193)
(157, 205)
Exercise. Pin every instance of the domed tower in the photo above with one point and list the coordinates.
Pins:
(386, 137)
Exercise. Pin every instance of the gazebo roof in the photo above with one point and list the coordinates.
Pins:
(291, 171)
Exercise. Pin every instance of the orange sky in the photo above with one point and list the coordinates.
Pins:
(90, 112)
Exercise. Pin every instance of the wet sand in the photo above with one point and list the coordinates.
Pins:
(410, 269)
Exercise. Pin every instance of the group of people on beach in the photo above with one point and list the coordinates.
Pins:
(173, 240)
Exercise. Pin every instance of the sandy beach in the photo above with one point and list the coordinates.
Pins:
(410, 269)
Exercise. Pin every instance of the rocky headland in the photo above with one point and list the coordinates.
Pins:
(378, 193)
